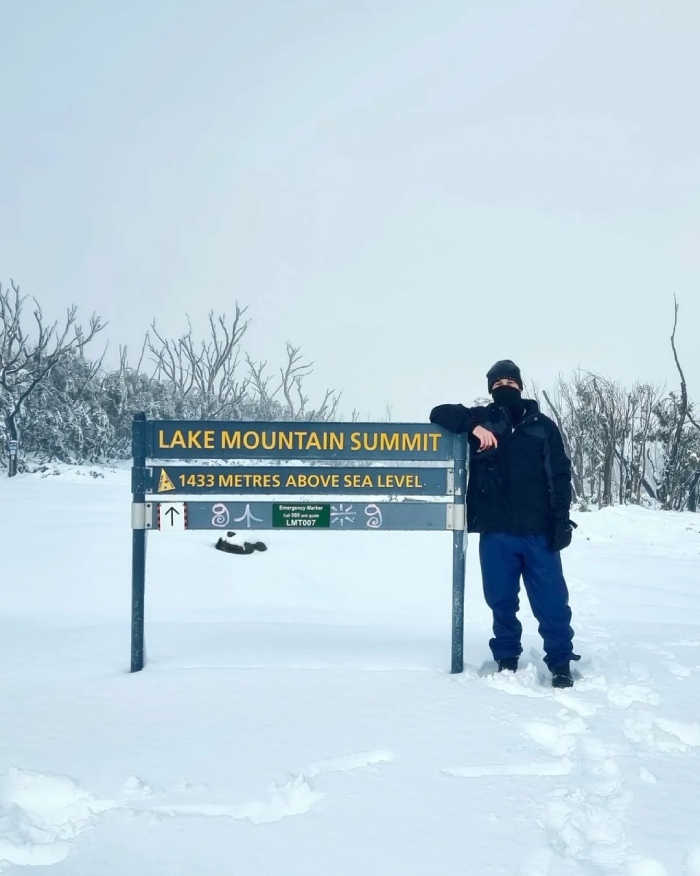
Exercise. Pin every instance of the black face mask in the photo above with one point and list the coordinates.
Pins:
(507, 396)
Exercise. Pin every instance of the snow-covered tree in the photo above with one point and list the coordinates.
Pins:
(28, 358)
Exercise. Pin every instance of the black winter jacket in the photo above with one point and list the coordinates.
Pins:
(522, 486)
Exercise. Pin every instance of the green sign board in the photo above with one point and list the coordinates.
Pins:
(299, 516)
(290, 448)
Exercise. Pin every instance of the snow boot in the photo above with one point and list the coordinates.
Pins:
(510, 664)
(561, 676)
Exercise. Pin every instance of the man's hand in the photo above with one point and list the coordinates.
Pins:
(487, 439)
(561, 535)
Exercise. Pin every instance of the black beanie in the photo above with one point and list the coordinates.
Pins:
(505, 369)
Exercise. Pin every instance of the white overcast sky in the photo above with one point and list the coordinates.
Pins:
(410, 189)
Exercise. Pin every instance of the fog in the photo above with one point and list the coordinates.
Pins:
(409, 190)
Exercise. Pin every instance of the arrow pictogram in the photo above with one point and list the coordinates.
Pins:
(172, 511)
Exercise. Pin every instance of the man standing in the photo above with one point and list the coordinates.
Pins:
(518, 499)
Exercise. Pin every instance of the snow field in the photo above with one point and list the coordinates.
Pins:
(297, 715)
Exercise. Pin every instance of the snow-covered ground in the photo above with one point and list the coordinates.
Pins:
(297, 716)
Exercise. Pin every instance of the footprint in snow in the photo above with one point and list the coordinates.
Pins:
(687, 733)
(583, 830)
(138, 788)
(561, 768)
(574, 703)
(348, 762)
(41, 814)
(526, 682)
(621, 696)
(553, 740)
(660, 734)
(679, 671)
(558, 742)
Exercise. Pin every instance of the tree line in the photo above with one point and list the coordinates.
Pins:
(627, 445)
(60, 404)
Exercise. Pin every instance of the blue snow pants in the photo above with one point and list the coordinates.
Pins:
(504, 559)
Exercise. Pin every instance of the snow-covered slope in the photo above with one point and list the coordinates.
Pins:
(297, 715)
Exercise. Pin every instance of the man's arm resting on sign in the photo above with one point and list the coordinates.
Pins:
(455, 418)
(458, 418)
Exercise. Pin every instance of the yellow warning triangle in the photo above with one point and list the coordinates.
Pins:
(165, 485)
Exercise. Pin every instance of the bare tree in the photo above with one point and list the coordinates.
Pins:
(291, 387)
(608, 432)
(293, 376)
(555, 408)
(678, 475)
(208, 381)
(681, 414)
(205, 373)
(26, 360)
(642, 403)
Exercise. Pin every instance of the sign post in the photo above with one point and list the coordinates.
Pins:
(313, 493)
(459, 556)
(12, 450)
(138, 548)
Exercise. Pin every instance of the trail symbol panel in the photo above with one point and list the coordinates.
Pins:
(338, 516)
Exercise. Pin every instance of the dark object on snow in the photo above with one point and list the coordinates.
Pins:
(510, 664)
(561, 676)
(248, 547)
